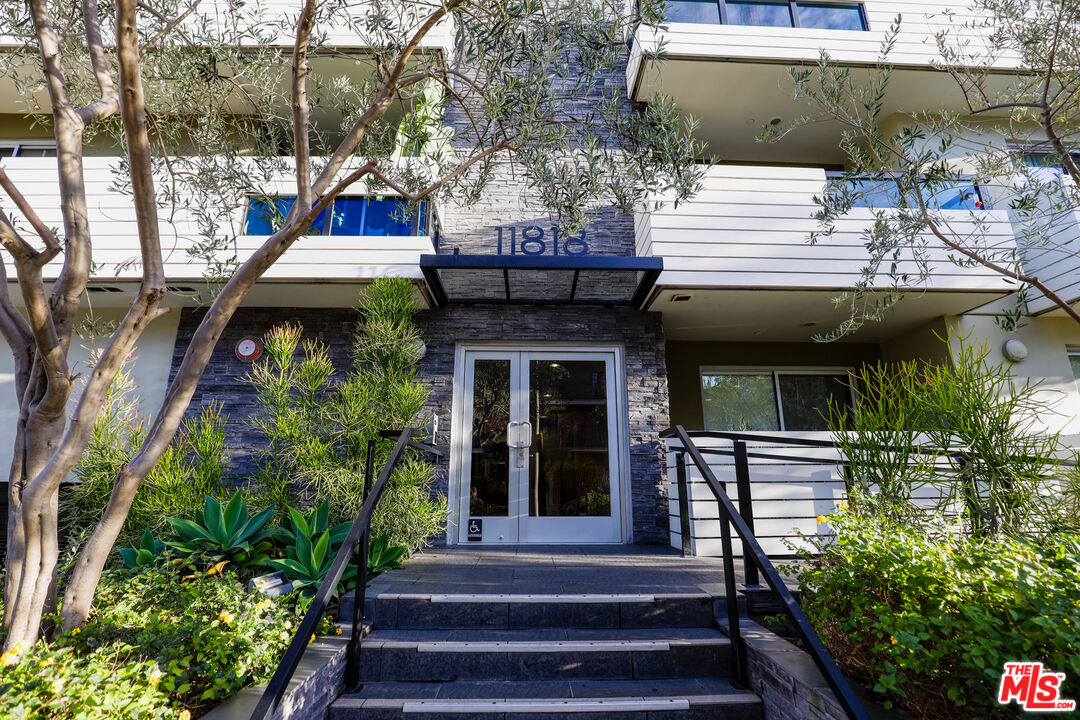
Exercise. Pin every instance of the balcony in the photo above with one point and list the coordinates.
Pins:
(740, 250)
(364, 243)
(744, 67)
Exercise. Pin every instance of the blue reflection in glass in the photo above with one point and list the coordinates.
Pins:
(830, 17)
(351, 216)
(953, 196)
(390, 217)
(348, 216)
(266, 214)
(764, 14)
(869, 192)
(693, 11)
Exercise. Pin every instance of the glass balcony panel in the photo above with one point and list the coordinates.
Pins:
(693, 11)
(753, 12)
(830, 17)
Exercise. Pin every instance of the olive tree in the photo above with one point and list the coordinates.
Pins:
(191, 91)
(1016, 67)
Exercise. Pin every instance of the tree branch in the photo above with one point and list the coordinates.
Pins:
(301, 109)
(52, 245)
(110, 101)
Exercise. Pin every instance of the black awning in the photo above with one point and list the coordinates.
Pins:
(539, 280)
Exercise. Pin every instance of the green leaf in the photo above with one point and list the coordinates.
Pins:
(214, 519)
(232, 512)
(190, 531)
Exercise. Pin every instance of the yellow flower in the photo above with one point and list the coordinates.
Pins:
(284, 636)
(9, 658)
(75, 631)
(892, 639)
(820, 519)
(288, 624)
(948, 549)
(57, 685)
(47, 662)
(184, 714)
(154, 676)
(338, 630)
(225, 617)
(312, 639)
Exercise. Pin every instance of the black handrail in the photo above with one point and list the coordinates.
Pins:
(754, 556)
(357, 540)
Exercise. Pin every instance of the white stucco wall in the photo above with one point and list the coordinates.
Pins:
(1048, 340)
(150, 370)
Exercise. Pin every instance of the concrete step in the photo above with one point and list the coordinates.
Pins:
(509, 612)
(542, 654)
(673, 699)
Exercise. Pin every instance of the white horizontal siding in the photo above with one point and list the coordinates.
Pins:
(1054, 258)
(115, 242)
(750, 227)
(916, 45)
(787, 496)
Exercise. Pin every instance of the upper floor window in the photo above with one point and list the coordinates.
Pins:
(27, 149)
(747, 400)
(885, 193)
(762, 13)
(345, 216)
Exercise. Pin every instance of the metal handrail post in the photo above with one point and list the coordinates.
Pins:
(352, 659)
(684, 503)
(746, 508)
(738, 659)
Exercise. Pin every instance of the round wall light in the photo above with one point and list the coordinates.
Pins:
(249, 349)
(1014, 350)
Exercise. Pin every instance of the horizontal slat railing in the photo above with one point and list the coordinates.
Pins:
(754, 556)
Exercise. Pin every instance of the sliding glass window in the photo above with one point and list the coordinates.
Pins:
(763, 13)
(749, 400)
(350, 216)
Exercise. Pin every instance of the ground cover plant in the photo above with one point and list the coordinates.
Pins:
(168, 640)
(928, 623)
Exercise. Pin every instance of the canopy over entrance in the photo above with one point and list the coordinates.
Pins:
(539, 280)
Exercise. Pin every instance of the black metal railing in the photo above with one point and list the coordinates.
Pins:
(355, 545)
(754, 558)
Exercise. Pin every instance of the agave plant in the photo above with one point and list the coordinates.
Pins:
(310, 546)
(145, 555)
(311, 525)
(224, 535)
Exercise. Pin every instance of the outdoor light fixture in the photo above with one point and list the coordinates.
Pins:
(1014, 350)
(420, 346)
(249, 349)
(681, 298)
(809, 323)
(776, 120)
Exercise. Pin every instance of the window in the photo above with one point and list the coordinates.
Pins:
(765, 14)
(1074, 361)
(27, 149)
(346, 216)
(883, 193)
(772, 399)
(770, 13)
(694, 11)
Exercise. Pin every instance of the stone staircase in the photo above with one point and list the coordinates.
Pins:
(550, 657)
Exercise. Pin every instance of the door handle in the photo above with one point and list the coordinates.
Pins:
(520, 446)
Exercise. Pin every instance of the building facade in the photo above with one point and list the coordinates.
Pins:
(555, 363)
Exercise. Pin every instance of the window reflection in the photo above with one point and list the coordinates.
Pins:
(569, 473)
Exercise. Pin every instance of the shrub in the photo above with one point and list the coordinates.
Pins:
(317, 426)
(192, 467)
(930, 623)
(968, 430)
(206, 632)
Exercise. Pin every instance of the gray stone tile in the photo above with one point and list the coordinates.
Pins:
(559, 665)
(564, 615)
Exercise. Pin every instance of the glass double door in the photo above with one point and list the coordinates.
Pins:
(540, 460)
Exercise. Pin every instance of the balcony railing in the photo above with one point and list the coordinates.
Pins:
(749, 228)
(373, 235)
